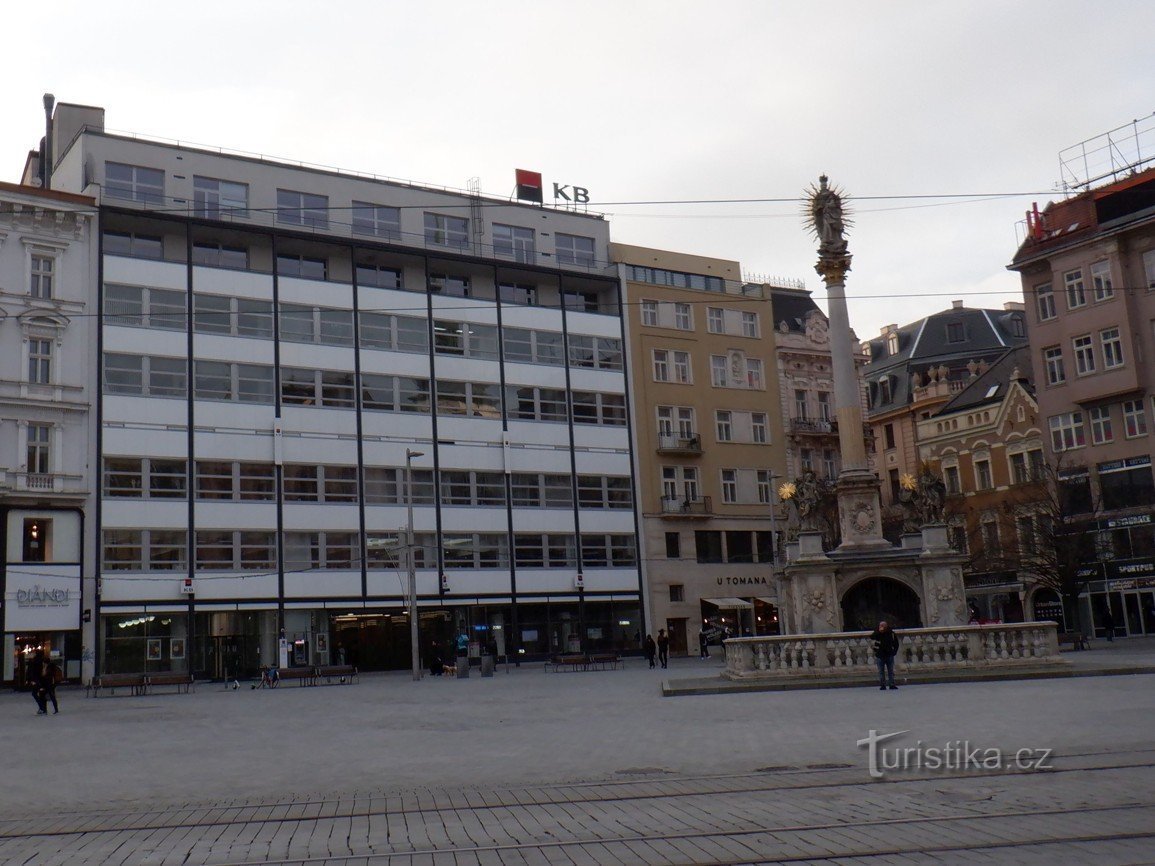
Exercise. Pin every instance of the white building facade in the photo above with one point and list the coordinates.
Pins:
(273, 338)
(47, 341)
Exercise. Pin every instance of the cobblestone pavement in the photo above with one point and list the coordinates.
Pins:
(574, 768)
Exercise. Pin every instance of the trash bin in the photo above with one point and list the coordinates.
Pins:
(462, 667)
(487, 664)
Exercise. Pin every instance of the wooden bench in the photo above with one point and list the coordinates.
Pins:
(183, 682)
(1076, 640)
(569, 661)
(340, 673)
(137, 683)
(605, 661)
(303, 676)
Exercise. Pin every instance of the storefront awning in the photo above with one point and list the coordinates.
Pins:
(729, 603)
(766, 600)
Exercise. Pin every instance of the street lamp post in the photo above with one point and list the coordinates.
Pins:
(411, 563)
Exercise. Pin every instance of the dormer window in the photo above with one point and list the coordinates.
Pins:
(1017, 329)
(884, 394)
(892, 344)
(956, 332)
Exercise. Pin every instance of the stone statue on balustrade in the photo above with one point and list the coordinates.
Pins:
(806, 495)
(923, 499)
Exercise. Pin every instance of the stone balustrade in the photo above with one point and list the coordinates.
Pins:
(850, 653)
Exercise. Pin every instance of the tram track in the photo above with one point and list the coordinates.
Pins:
(764, 842)
(381, 804)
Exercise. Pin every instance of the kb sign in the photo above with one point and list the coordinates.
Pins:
(529, 188)
(573, 194)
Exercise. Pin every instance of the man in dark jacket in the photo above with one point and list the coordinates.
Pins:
(663, 647)
(885, 649)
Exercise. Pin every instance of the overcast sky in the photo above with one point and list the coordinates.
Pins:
(638, 101)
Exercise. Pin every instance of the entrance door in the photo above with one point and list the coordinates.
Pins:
(676, 629)
(1134, 615)
(870, 601)
(1147, 607)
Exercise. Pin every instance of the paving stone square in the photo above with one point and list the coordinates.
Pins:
(573, 767)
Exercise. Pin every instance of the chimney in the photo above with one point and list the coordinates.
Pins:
(46, 157)
(1014, 306)
(957, 305)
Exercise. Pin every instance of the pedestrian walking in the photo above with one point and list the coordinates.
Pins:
(663, 647)
(52, 675)
(436, 665)
(703, 645)
(37, 671)
(1109, 622)
(885, 649)
(651, 649)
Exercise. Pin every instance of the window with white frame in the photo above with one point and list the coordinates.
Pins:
(1101, 281)
(983, 474)
(650, 313)
(892, 343)
(43, 274)
(680, 484)
(958, 536)
(683, 317)
(39, 447)
(824, 413)
(724, 425)
(764, 481)
(661, 365)
(1112, 344)
(801, 404)
(1045, 302)
(1076, 292)
(754, 373)
(758, 428)
(446, 231)
(682, 373)
(514, 242)
(1101, 431)
(1084, 354)
(729, 486)
(376, 220)
(213, 198)
(1067, 431)
(829, 463)
(676, 421)
(952, 479)
(574, 250)
(1134, 419)
(718, 371)
(134, 182)
(1053, 362)
(749, 324)
(39, 361)
(302, 209)
(715, 320)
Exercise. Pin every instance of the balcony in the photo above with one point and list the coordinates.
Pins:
(687, 508)
(45, 482)
(813, 427)
(679, 443)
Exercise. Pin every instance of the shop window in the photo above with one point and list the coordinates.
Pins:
(37, 539)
